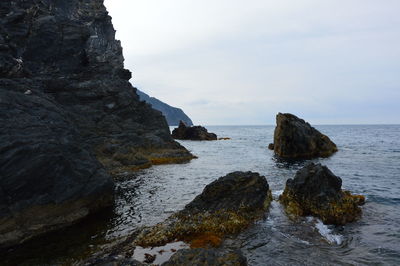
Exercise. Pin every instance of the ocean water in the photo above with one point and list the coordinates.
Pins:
(368, 161)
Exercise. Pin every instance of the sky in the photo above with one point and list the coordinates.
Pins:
(235, 62)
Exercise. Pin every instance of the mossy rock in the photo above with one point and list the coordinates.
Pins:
(226, 206)
(316, 191)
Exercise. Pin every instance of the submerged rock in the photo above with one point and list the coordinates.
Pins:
(316, 191)
(294, 138)
(226, 206)
(65, 103)
(192, 133)
(201, 256)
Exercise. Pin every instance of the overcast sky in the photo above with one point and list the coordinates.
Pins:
(228, 62)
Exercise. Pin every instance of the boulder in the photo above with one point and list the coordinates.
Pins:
(192, 133)
(316, 191)
(226, 206)
(296, 139)
(201, 256)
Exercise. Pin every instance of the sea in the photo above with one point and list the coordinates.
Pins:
(368, 162)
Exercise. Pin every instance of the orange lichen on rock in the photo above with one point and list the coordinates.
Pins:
(206, 240)
(225, 207)
(132, 159)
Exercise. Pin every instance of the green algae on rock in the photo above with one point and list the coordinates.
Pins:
(226, 206)
(315, 190)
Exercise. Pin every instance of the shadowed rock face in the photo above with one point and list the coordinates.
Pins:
(226, 206)
(315, 190)
(200, 256)
(65, 102)
(48, 177)
(192, 133)
(296, 139)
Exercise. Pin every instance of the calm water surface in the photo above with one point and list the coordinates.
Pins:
(368, 162)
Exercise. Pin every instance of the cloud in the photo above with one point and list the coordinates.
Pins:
(240, 62)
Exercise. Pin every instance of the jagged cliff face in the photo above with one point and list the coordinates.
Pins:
(65, 105)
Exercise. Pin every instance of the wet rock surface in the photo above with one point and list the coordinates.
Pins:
(201, 256)
(296, 139)
(66, 103)
(117, 261)
(192, 133)
(226, 206)
(316, 191)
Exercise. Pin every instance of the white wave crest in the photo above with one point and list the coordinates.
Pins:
(326, 232)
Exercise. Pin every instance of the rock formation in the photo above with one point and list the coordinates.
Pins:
(316, 191)
(172, 114)
(296, 139)
(201, 256)
(192, 133)
(65, 103)
(226, 206)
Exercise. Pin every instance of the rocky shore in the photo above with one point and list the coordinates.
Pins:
(71, 122)
(69, 116)
(225, 207)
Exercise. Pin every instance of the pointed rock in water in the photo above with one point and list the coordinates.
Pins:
(296, 139)
(226, 206)
(201, 256)
(316, 191)
(192, 133)
(66, 104)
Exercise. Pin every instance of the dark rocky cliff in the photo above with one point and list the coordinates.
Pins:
(172, 114)
(65, 105)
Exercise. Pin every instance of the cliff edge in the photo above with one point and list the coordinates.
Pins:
(66, 105)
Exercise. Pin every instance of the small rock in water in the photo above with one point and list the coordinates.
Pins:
(28, 92)
(296, 139)
(315, 190)
(192, 133)
(148, 258)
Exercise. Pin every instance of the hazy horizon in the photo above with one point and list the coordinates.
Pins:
(240, 63)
